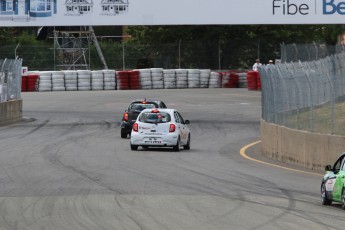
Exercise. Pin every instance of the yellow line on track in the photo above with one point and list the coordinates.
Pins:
(243, 154)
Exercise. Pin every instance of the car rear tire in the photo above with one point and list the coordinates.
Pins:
(123, 133)
(187, 146)
(176, 148)
(134, 147)
(324, 198)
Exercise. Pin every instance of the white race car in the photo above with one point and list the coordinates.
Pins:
(160, 128)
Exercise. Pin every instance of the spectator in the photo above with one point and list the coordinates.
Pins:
(256, 65)
(270, 63)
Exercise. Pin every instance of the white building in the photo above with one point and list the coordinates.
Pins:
(24, 10)
(113, 7)
(78, 7)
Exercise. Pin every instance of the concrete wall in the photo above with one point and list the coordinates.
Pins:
(10, 111)
(310, 150)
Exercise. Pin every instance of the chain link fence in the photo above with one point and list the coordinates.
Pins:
(306, 95)
(215, 54)
(308, 52)
(10, 79)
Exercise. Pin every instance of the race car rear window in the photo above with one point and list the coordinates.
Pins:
(155, 118)
(140, 106)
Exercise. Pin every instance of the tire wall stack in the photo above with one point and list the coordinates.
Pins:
(253, 79)
(169, 79)
(97, 80)
(71, 80)
(153, 78)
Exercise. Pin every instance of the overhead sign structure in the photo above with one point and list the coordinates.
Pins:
(168, 12)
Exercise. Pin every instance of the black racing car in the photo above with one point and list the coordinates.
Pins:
(134, 110)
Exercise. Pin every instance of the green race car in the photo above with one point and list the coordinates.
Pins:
(332, 186)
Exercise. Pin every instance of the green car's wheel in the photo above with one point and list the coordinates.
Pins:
(324, 199)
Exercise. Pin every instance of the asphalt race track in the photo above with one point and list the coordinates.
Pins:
(66, 167)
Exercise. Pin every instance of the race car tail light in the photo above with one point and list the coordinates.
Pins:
(125, 116)
(135, 127)
(172, 128)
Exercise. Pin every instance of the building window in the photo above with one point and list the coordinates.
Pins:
(9, 5)
(40, 5)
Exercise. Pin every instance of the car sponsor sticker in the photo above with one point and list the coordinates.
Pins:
(330, 185)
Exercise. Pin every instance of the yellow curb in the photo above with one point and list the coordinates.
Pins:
(243, 154)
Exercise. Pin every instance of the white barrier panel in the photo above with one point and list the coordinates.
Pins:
(167, 12)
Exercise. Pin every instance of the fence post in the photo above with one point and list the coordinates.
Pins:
(179, 54)
(123, 56)
(311, 116)
(332, 95)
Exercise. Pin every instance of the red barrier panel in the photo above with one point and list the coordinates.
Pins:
(122, 80)
(24, 83)
(225, 79)
(134, 79)
(234, 79)
(32, 81)
(252, 80)
(258, 82)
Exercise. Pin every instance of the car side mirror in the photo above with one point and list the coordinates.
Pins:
(328, 168)
(186, 122)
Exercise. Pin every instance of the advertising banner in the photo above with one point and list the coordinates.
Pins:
(168, 12)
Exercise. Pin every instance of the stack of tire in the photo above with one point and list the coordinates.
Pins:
(204, 78)
(193, 78)
(181, 78)
(252, 80)
(234, 78)
(225, 79)
(145, 78)
(97, 80)
(242, 80)
(134, 79)
(45, 81)
(71, 80)
(84, 80)
(157, 78)
(258, 81)
(109, 79)
(33, 80)
(24, 83)
(215, 80)
(58, 81)
(122, 78)
(169, 78)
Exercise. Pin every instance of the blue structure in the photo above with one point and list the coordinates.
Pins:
(24, 9)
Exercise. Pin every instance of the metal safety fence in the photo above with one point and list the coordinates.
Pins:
(306, 96)
(10, 79)
(308, 52)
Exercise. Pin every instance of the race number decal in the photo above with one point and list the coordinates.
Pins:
(330, 185)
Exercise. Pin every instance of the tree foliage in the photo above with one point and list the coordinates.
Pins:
(239, 44)
(198, 46)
